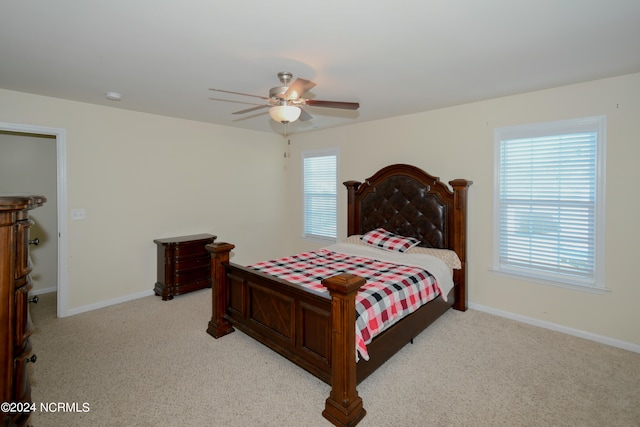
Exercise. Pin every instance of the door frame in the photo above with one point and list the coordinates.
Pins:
(61, 154)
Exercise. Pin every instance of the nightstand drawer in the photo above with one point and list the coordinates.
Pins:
(187, 276)
(191, 263)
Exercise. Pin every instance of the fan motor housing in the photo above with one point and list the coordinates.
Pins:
(277, 92)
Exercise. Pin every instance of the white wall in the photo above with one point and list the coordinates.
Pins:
(458, 143)
(141, 177)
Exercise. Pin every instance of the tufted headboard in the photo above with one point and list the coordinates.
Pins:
(406, 200)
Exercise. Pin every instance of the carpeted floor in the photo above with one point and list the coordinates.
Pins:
(151, 363)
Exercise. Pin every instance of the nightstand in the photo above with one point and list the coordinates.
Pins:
(184, 265)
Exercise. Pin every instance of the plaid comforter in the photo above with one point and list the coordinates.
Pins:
(391, 292)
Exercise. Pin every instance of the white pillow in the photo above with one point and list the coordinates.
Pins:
(448, 256)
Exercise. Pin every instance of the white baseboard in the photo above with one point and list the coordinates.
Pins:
(106, 303)
(558, 328)
(43, 291)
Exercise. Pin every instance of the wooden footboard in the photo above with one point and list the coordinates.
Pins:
(314, 330)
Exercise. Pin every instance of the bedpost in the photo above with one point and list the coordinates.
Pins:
(218, 325)
(352, 223)
(343, 406)
(460, 187)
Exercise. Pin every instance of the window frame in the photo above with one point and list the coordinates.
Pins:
(596, 283)
(327, 152)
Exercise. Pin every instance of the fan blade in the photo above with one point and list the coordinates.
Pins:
(298, 88)
(239, 93)
(235, 102)
(333, 104)
(304, 116)
(248, 110)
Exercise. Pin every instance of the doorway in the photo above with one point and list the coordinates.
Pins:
(34, 161)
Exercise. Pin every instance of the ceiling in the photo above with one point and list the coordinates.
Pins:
(393, 57)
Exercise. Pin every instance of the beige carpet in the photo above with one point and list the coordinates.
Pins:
(151, 363)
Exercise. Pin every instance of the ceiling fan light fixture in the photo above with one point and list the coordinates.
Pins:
(285, 113)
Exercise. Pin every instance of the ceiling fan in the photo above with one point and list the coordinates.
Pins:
(286, 102)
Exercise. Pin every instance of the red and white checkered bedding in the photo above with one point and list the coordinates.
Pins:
(393, 289)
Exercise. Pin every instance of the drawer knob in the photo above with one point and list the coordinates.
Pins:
(34, 299)
(31, 359)
(34, 242)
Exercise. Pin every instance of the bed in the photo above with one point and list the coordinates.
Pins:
(315, 329)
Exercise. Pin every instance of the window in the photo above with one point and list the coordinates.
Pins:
(320, 194)
(549, 202)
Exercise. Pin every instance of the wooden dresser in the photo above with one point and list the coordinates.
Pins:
(184, 265)
(15, 323)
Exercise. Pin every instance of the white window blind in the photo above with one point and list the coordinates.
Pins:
(320, 194)
(548, 205)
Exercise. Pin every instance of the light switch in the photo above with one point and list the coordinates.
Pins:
(77, 214)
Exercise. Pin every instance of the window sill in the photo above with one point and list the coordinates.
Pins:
(322, 240)
(571, 286)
